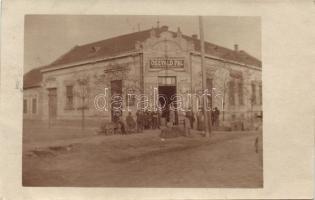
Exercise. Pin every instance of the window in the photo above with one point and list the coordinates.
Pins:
(24, 106)
(240, 93)
(34, 106)
(167, 80)
(233, 116)
(260, 94)
(231, 93)
(130, 97)
(209, 87)
(69, 96)
(253, 99)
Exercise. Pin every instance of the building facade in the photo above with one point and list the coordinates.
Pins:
(89, 79)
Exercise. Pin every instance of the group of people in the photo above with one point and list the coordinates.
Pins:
(143, 120)
(215, 118)
(146, 119)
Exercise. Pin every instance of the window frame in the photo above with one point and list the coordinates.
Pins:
(231, 92)
(34, 108)
(69, 104)
(25, 106)
(253, 94)
(260, 94)
(240, 86)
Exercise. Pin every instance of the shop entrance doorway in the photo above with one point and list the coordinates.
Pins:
(167, 96)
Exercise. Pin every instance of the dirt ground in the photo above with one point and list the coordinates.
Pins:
(227, 159)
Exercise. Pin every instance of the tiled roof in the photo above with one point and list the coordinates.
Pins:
(228, 54)
(32, 78)
(126, 43)
(104, 48)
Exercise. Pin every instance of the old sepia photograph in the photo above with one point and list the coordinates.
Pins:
(142, 101)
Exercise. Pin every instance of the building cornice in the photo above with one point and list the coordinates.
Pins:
(65, 66)
(227, 61)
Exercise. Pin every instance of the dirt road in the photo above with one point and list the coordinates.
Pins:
(226, 160)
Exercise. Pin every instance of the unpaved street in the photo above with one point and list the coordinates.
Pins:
(142, 160)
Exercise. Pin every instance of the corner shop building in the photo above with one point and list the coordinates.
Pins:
(136, 63)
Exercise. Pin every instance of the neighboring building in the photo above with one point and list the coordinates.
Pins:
(32, 95)
(137, 63)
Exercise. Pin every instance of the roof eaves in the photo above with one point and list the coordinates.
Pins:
(83, 62)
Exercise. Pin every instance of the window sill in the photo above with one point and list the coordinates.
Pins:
(69, 108)
(85, 108)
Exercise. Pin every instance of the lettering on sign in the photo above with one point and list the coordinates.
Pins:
(167, 63)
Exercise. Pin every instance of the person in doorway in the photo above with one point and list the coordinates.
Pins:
(171, 115)
(167, 114)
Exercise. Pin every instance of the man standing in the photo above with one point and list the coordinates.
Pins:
(121, 126)
(130, 123)
(154, 119)
(216, 115)
(191, 117)
(187, 123)
(139, 121)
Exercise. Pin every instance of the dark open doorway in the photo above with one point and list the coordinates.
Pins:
(167, 95)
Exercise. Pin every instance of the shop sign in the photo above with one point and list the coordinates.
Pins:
(171, 62)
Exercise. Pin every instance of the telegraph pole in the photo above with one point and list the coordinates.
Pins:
(204, 80)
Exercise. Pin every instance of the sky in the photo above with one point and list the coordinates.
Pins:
(47, 37)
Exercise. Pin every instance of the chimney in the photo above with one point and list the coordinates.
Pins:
(235, 47)
(194, 36)
(164, 28)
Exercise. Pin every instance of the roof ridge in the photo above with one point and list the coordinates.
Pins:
(121, 43)
(111, 38)
(219, 46)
